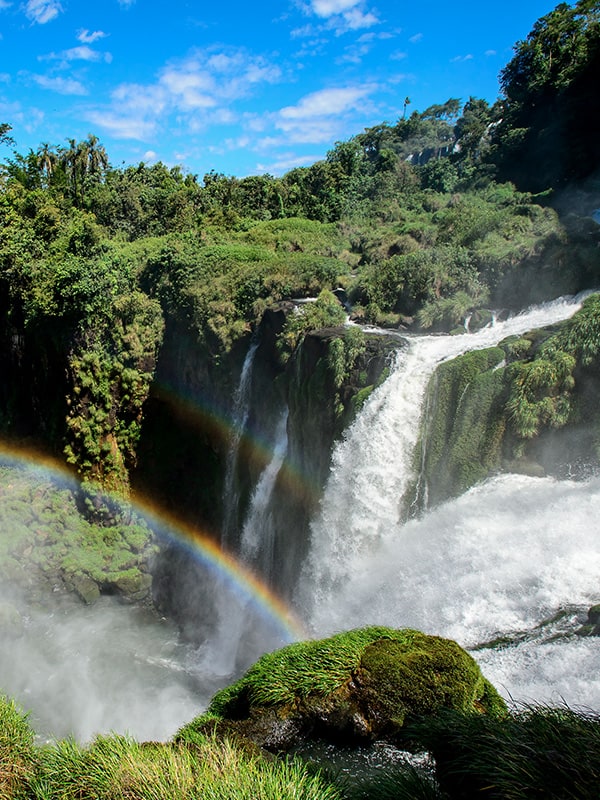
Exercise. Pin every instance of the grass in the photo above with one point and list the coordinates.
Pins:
(538, 751)
(16, 750)
(119, 768)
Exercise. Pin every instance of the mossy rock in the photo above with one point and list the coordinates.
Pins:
(355, 687)
(133, 584)
(84, 587)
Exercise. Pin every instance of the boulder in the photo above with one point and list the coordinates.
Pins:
(353, 688)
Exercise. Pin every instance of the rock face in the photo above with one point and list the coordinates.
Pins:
(183, 454)
(354, 688)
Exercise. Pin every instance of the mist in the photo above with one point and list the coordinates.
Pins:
(83, 670)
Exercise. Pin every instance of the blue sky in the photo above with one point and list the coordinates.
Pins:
(241, 87)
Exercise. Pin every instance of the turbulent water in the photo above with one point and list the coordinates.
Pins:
(496, 562)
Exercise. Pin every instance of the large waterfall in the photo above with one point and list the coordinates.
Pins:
(497, 563)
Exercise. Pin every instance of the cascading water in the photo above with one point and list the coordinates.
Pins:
(258, 532)
(497, 561)
(239, 418)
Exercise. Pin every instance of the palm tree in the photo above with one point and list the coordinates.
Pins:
(96, 157)
(46, 161)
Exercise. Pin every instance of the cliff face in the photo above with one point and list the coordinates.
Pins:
(195, 462)
(528, 405)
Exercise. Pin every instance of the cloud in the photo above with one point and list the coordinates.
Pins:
(321, 116)
(198, 90)
(286, 162)
(326, 102)
(86, 37)
(80, 53)
(340, 16)
(327, 8)
(4, 4)
(461, 59)
(490, 53)
(121, 125)
(42, 11)
(60, 85)
(416, 38)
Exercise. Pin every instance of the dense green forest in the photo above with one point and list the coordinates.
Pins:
(460, 207)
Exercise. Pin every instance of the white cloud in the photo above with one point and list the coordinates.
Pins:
(123, 126)
(287, 162)
(401, 77)
(4, 4)
(320, 117)
(355, 54)
(327, 8)
(88, 37)
(81, 53)
(42, 11)
(356, 19)
(416, 38)
(150, 155)
(60, 85)
(189, 89)
(398, 55)
(325, 103)
(198, 90)
(490, 53)
(461, 59)
(340, 16)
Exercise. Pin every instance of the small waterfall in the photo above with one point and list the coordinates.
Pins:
(239, 418)
(372, 465)
(258, 532)
(495, 562)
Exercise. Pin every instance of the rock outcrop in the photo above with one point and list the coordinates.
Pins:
(353, 688)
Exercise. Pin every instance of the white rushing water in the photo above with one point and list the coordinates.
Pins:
(258, 531)
(239, 418)
(497, 561)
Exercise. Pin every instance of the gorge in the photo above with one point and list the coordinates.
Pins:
(507, 568)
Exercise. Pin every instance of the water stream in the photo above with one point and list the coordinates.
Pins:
(496, 562)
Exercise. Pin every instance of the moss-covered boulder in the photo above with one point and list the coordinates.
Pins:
(355, 687)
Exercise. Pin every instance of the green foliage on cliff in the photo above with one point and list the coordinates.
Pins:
(485, 406)
(45, 535)
(541, 389)
(324, 312)
(463, 427)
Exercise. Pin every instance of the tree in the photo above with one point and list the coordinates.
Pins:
(550, 124)
(47, 160)
(4, 135)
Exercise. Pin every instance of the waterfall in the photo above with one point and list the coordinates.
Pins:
(258, 532)
(239, 418)
(495, 562)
